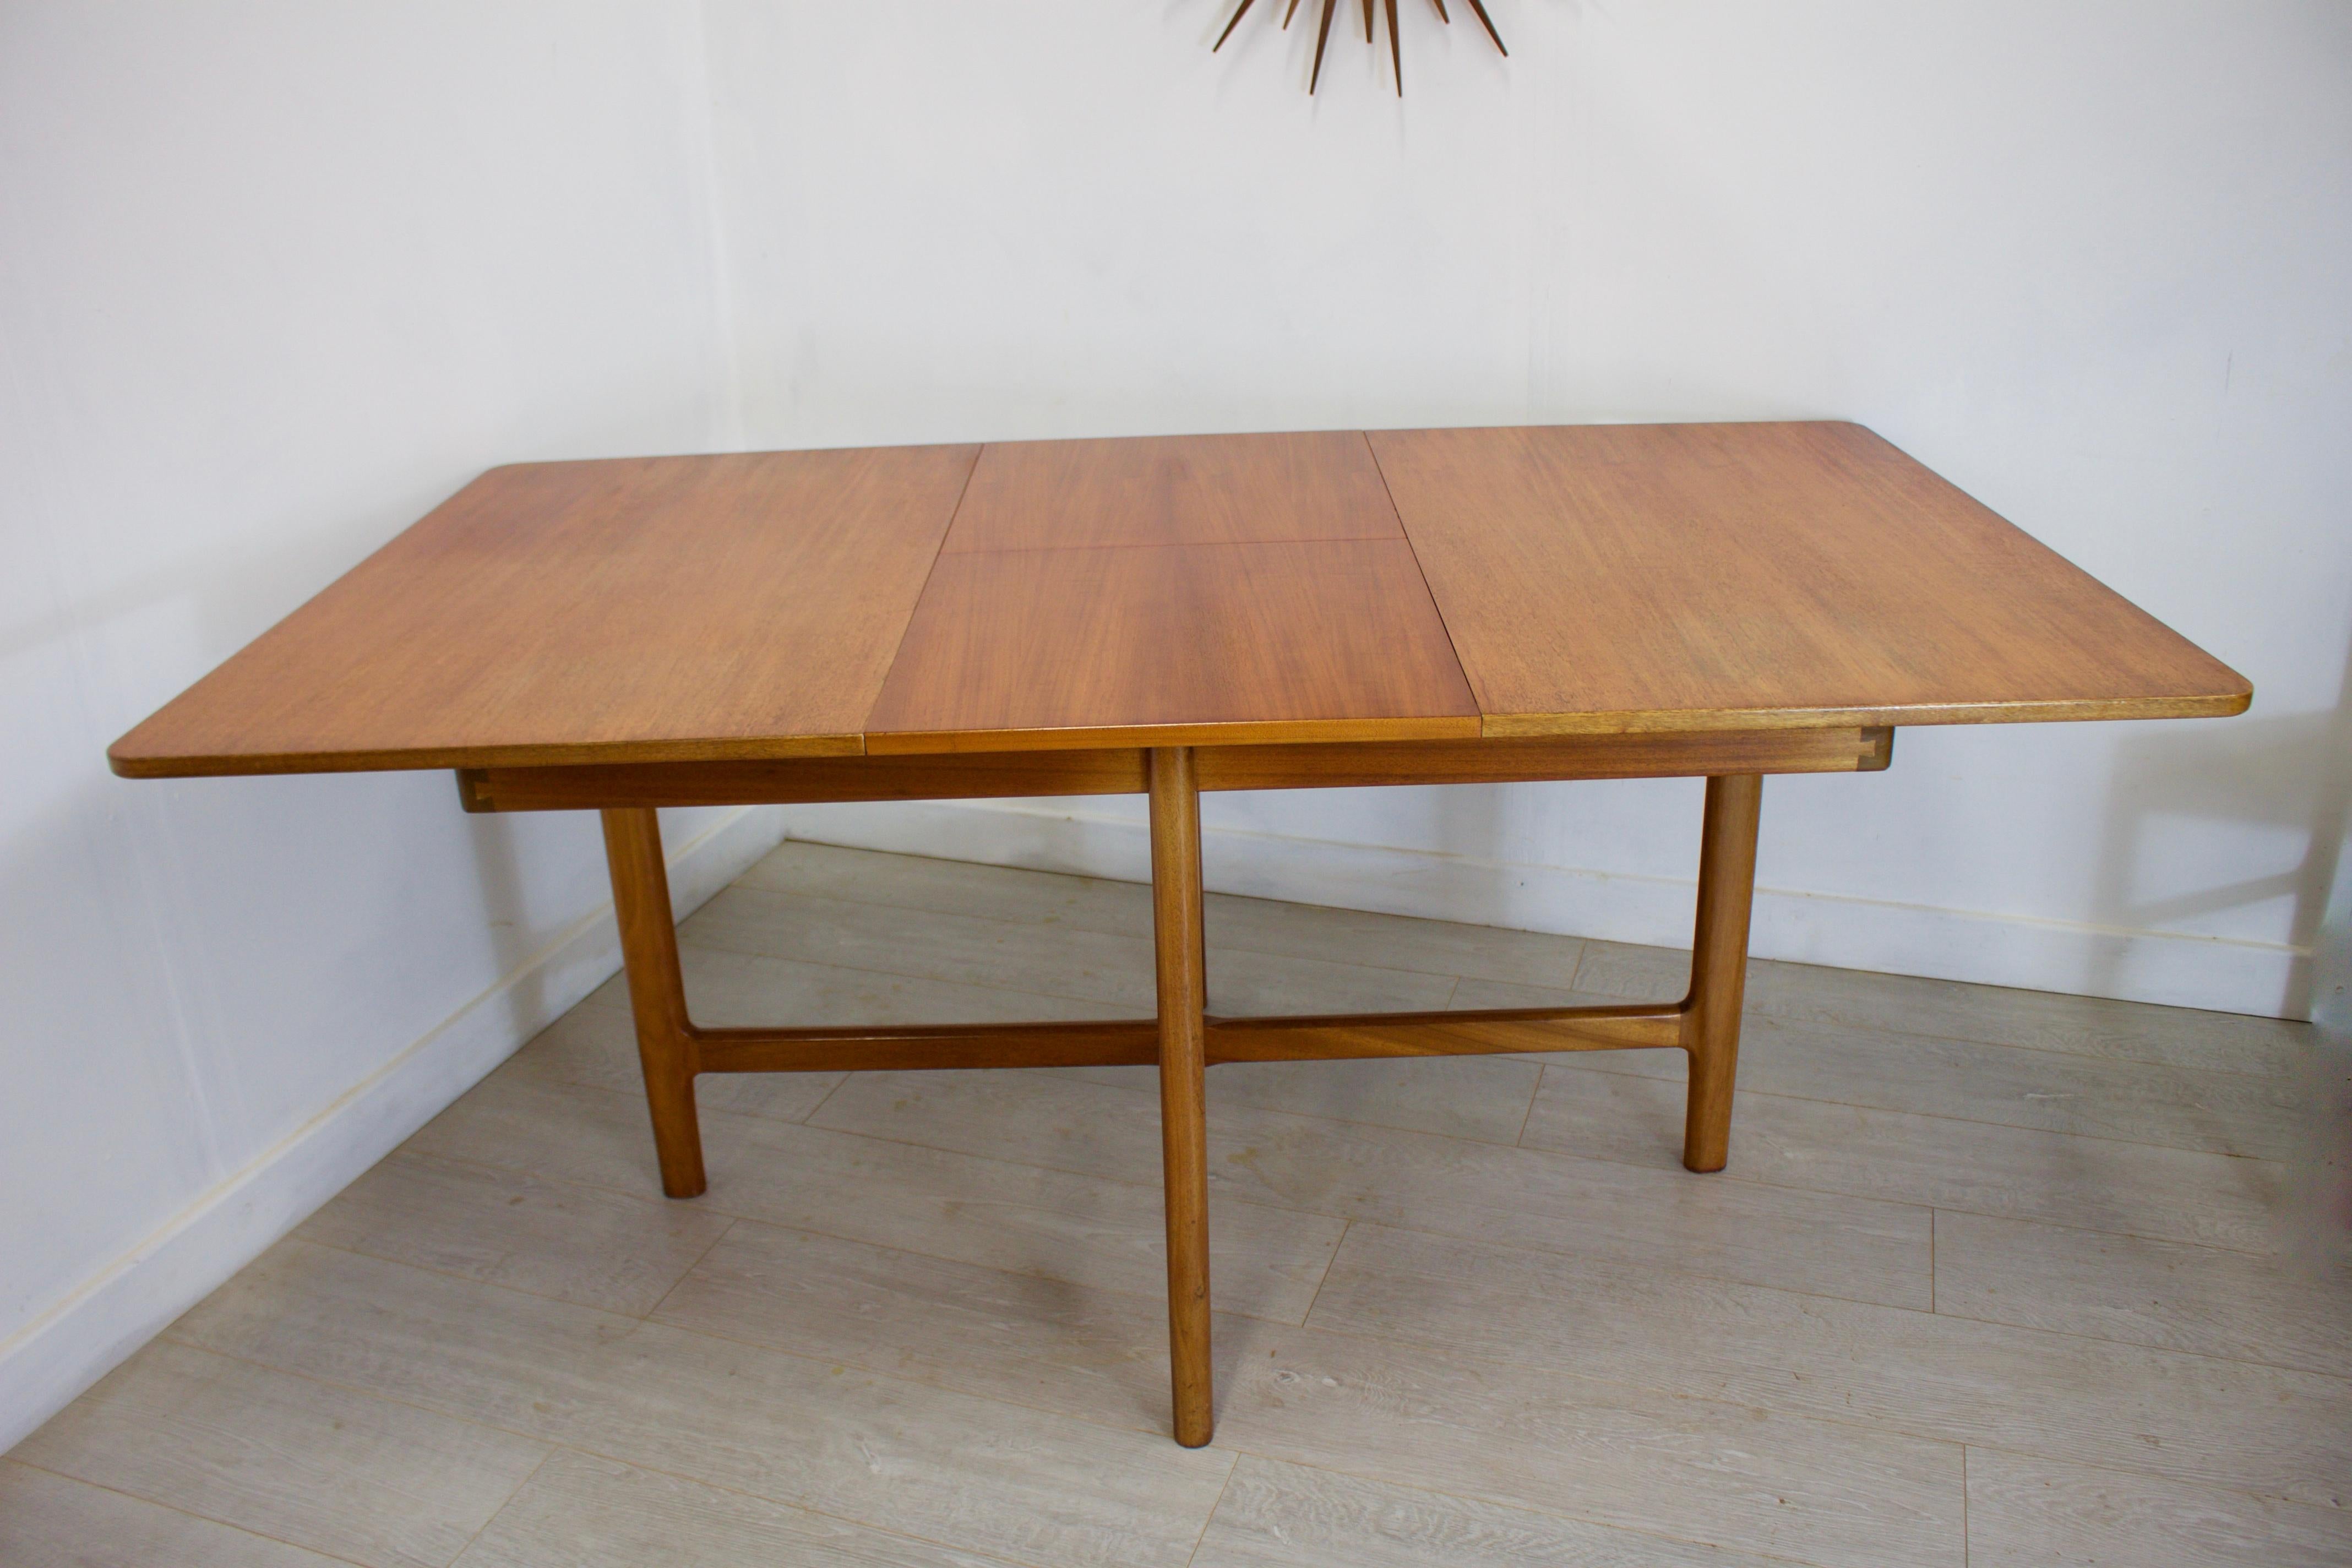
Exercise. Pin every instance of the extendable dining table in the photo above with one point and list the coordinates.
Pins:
(1168, 616)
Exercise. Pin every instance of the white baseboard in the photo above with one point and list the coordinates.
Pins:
(73, 1344)
(2164, 967)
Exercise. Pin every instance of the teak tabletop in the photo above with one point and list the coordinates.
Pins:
(1189, 590)
(1168, 616)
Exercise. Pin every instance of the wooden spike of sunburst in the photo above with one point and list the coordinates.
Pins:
(1480, 7)
(1396, 41)
(1237, 22)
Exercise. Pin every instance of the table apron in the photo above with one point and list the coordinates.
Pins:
(973, 775)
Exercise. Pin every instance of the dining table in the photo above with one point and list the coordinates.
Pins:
(1166, 617)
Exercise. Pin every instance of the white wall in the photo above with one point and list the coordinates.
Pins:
(275, 277)
(2091, 261)
(274, 280)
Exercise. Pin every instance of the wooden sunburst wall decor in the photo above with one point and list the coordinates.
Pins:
(1323, 32)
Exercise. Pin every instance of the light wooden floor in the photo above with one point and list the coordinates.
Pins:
(1995, 1278)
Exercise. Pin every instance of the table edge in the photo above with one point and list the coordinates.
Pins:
(2212, 705)
(132, 765)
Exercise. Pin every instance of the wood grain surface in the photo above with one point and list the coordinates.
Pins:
(1325, 639)
(1174, 489)
(635, 610)
(1207, 590)
(1322, 764)
(1693, 576)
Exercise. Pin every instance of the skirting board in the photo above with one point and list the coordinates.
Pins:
(73, 1344)
(2265, 979)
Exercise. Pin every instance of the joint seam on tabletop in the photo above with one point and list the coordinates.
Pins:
(1477, 697)
(865, 724)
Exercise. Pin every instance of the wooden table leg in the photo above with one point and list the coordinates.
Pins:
(633, 850)
(1726, 887)
(1176, 916)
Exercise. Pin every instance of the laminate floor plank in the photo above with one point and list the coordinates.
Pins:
(519, 1120)
(2099, 1184)
(959, 949)
(586, 1513)
(1123, 909)
(886, 1452)
(917, 882)
(1742, 1476)
(1994, 1278)
(577, 1244)
(1030, 1219)
(2198, 1419)
(2000, 1015)
(2027, 1512)
(1099, 1355)
(2287, 1310)
(1839, 1245)
(2054, 1091)
(53, 1522)
(1629, 972)
(1275, 1515)
(595, 1045)
(1391, 942)
(1054, 1225)
(1114, 971)
(728, 987)
(1484, 1098)
(1590, 1447)
(284, 1457)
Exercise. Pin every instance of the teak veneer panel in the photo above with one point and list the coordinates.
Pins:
(1192, 590)
(1174, 489)
(636, 609)
(1172, 645)
(1537, 758)
(973, 775)
(1693, 576)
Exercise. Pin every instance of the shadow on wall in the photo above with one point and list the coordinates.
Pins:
(505, 900)
(225, 593)
(2328, 1170)
(2292, 772)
